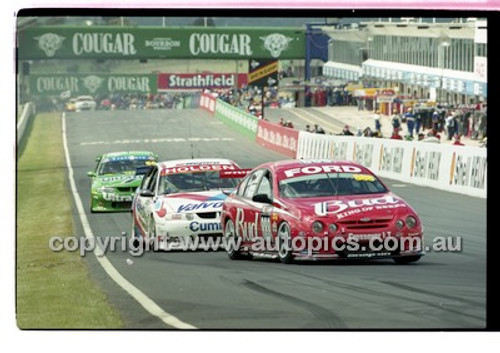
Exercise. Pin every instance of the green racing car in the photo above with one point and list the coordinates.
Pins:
(116, 178)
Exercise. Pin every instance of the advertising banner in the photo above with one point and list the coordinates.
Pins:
(457, 169)
(99, 42)
(207, 102)
(278, 138)
(263, 73)
(174, 81)
(91, 84)
(239, 120)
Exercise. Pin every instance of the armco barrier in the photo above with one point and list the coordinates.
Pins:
(457, 169)
(23, 125)
(237, 119)
(278, 138)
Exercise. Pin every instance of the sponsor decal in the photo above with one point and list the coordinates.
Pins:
(194, 206)
(220, 43)
(277, 138)
(162, 44)
(276, 43)
(205, 227)
(104, 43)
(92, 83)
(392, 159)
(123, 179)
(426, 165)
(322, 169)
(246, 230)
(158, 207)
(50, 43)
(197, 168)
(469, 171)
(363, 177)
(360, 205)
(363, 155)
(118, 198)
(338, 150)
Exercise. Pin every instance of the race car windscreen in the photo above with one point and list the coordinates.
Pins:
(330, 184)
(125, 166)
(197, 181)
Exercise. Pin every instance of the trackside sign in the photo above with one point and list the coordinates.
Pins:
(57, 42)
(92, 84)
(199, 81)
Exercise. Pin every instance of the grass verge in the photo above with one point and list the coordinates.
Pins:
(54, 289)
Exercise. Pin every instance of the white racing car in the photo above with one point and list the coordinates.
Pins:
(181, 201)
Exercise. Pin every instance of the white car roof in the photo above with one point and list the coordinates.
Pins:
(195, 162)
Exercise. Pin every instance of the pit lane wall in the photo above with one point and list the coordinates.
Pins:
(457, 169)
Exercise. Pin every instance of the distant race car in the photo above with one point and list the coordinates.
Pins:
(69, 106)
(85, 103)
(305, 209)
(115, 178)
(181, 200)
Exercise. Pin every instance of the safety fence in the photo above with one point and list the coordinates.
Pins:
(458, 169)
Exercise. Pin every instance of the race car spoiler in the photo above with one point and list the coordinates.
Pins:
(238, 173)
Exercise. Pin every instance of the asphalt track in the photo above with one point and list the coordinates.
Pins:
(445, 290)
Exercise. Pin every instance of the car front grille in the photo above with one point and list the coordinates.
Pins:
(208, 215)
(122, 205)
(364, 225)
(125, 189)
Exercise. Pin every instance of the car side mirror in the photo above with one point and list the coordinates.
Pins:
(91, 174)
(262, 198)
(146, 193)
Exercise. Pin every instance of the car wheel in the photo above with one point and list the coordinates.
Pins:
(152, 232)
(133, 235)
(91, 205)
(285, 243)
(232, 245)
(406, 259)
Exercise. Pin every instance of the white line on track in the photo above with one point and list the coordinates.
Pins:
(146, 302)
(23, 116)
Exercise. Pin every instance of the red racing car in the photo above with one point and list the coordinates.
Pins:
(319, 209)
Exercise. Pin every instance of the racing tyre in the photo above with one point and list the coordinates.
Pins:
(133, 235)
(285, 243)
(406, 259)
(232, 245)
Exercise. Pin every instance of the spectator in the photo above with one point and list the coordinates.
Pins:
(318, 129)
(410, 122)
(450, 125)
(435, 120)
(281, 122)
(418, 121)
(289, 124)
(346, 131)
(395, 134)
(359, 132)
(308, 128)
(457, 141)
(378, 126)
(396, 121)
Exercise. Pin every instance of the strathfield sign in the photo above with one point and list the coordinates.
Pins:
(200, 81)
(55, 42)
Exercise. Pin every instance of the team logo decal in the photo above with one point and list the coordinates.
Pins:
(92, 83)
(276, 43)
(50, 43)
